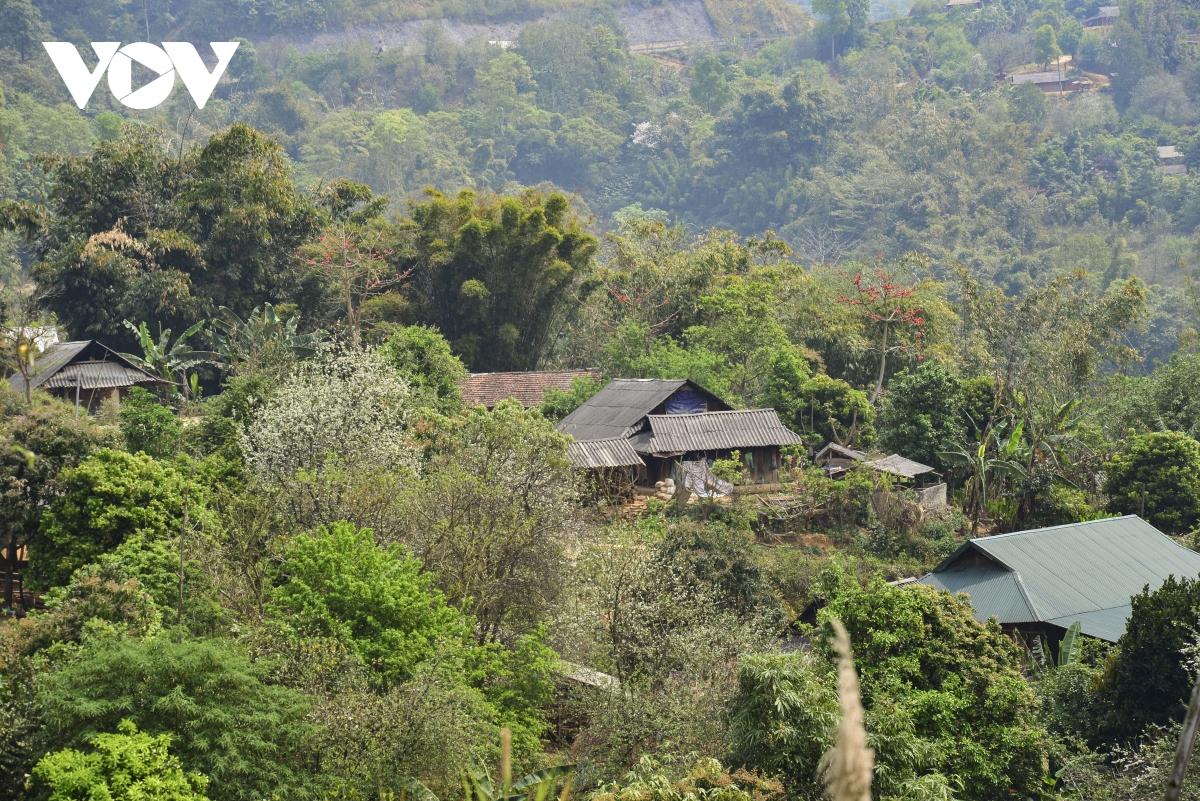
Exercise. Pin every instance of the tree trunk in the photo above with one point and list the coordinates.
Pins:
(882, 366)
(10, 568)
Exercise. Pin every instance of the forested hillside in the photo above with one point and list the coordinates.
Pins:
(260, 541)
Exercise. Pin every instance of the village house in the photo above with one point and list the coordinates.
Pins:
(1171, 161)
(677, 429)
(1039, 582)
(488, 389)
(85, 373)
(1051, 82)
(1104, 17)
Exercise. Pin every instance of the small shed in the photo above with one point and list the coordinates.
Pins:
(488, 389)
(1042, 580)
(931, 491)
(1104, 16)
(836, 459)
(86, 372)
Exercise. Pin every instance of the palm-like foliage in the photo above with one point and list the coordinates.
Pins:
(167, 359)
(981, 466)
(478, 784)
(262, 336)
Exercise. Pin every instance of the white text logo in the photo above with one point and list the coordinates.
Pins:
(171, 58)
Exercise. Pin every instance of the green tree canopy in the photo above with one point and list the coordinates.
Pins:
(433, 372)
(1157, 475)
(336, 582)
(944, 693)
(105, 500)
(1151, 682)
(226, 720)
(148, 426)
(922, 414)
(131, 232)
(494, 275)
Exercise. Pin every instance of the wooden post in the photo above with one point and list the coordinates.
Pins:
(1183, 752)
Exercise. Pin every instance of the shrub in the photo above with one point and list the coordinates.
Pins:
(225, 719)
(148, 426)
(127, 766)
(107, 499)
(337, 582)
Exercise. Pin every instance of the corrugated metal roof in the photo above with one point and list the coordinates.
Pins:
(840, 450)
(994, 592)
(1103, 624)
(1084, 569)
(603, 453)
(488, 389)
(618, 408)
(900, 466)
(713, 431)
(67, 363)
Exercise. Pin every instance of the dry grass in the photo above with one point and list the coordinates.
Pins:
(848, 766)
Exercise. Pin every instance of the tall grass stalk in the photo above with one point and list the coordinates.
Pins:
(848, 766)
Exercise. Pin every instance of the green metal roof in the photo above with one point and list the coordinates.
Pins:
(1083, 571)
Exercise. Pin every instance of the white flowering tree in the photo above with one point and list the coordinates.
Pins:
(332, 443)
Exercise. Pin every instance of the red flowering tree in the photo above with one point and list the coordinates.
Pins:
(356, 268)
(887, 306)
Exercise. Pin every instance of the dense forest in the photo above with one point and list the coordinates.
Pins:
(301, 566)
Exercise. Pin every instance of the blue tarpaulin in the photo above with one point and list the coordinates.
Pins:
(686, 402)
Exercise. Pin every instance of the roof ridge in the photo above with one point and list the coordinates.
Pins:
(1060, 525)
(1025, 596)
(718, 411)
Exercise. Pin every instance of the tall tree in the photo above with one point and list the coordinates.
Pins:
(495, 275)
(131, 231)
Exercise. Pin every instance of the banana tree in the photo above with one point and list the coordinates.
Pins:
(167, 359)
(478, 784)
(246, 344)
(981, 467)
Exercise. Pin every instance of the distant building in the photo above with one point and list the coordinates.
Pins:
(1104, 16)
(1171, 161)
(1051, 82)
(85, 371)
(1043, 580)
(836, 459)
(673, 427)
(953, 4)
(488, 389)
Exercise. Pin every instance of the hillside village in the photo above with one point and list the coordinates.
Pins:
(712, 400)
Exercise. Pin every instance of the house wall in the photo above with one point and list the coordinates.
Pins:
(758, 463)
(90, 400)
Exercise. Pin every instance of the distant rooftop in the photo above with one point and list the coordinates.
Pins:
(488, 389)
(1058, 575)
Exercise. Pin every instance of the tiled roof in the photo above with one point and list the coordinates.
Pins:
(603, 453)
(618, 409)
(488, 389)
(86, 364)
(713, 431)
(1083, 571)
